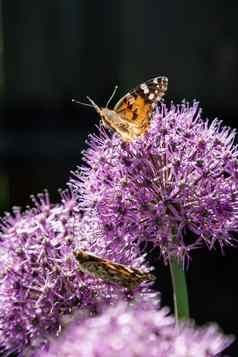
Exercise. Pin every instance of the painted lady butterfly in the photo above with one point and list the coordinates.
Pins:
(131, 116)
(111, 272)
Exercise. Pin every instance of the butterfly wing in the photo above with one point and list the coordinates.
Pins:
(110, 271)
(136, 107)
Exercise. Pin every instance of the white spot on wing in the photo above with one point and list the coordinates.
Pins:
(145, 88)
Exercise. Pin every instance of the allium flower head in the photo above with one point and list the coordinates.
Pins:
(40, 282)
(134, 331)
(177, 182)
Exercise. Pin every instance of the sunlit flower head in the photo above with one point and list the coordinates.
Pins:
(176, 187)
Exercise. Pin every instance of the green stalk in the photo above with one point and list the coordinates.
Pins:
(180, 293)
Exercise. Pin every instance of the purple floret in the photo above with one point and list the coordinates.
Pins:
(176, 187)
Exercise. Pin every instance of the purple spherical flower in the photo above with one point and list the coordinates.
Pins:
(134, 331)
(40, 281)
(176, 187)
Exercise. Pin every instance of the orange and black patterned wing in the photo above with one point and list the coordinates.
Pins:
(110, 271)
(136, 107)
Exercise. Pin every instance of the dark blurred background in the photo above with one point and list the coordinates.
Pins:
(53, 51)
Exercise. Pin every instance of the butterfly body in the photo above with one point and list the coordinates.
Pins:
(110, 271)
(111, 119)
(131, 116)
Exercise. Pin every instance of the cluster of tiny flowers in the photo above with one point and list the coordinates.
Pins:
(134, 331)
(40, 282)
(176, 187)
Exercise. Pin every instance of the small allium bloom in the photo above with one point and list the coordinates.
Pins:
(134, 331)
(178, 181)
(40, 283)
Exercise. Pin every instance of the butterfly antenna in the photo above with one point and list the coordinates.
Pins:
(82, 103)
(112, 95)
(92, 105)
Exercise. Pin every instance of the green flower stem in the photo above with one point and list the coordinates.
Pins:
(180, 293)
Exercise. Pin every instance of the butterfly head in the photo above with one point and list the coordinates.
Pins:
(80, 255)
(106, 114)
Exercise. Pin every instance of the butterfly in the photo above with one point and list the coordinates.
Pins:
(131, 116)
(110, 271)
